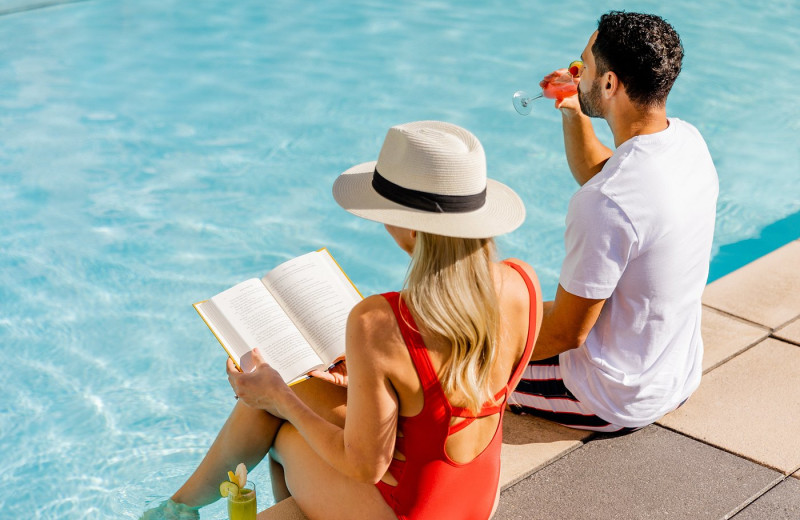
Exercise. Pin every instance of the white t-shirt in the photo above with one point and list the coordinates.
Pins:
(639, 235)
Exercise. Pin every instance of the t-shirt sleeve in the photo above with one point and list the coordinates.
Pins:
(599, 242)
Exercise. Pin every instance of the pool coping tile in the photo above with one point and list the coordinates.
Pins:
(765, 291)
(789, 332)
(726, 336)
(530, 443)
(740, 407)
(283, 510)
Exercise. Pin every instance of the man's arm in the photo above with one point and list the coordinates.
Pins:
(565, 324)
(586, 155)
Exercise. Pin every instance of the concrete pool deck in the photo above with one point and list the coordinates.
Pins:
(732, 451)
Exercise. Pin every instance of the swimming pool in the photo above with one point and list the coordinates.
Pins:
(153, 153)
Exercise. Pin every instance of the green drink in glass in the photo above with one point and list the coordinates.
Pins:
(242, 506)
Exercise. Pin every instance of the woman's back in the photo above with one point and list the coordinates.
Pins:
(443, 448)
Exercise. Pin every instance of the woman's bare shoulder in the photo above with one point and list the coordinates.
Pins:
(373, 307)
(372, 323)
(519, 287)
(525, 267)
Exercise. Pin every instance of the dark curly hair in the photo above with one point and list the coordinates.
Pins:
(643, 50)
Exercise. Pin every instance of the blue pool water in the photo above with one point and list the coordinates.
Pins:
(153, 153)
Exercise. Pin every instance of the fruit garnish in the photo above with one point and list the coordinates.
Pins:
(575, 68)
(241, 474)
(236, 481)
(228, 489)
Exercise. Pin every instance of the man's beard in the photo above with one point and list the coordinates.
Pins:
(590, 102)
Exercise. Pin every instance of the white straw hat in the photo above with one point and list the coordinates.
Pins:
(430, 176)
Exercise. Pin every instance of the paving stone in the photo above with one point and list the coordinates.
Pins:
(766, 291)
(283, 510)
(749, 406)
(780, 503)
(725, 336)
(529, 443)
(790, 332)
(651, 474)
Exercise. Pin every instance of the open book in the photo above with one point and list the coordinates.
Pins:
(296, 316)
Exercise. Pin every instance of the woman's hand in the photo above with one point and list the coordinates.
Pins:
(260, 388)
(337, 374)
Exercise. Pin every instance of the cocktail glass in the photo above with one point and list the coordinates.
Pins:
(559, 84)
(242, 506)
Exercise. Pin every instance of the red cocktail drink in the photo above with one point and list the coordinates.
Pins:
(559, 84)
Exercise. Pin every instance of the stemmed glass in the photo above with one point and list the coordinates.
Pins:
(559, 84)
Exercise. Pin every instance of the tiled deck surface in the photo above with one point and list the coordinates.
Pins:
(732, 451)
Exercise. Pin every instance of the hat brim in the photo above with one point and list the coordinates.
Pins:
(502, 213)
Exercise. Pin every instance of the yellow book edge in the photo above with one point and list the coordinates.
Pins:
(230, 355)
(342, 270)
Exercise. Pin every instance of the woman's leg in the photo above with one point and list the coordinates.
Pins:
(319, 489)
(278, 480)
(248, 435)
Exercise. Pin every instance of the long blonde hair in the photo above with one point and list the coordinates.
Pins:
(450, 290)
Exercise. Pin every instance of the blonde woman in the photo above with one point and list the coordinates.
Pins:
(428, 369)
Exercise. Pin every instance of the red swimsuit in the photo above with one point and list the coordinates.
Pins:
(430, 484)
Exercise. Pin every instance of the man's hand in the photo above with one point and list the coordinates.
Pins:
(570, 107)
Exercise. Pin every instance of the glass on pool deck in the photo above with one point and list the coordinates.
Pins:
(243, 506)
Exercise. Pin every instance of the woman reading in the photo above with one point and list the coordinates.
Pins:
(411, 429)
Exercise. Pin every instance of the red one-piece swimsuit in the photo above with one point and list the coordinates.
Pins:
(430, 485)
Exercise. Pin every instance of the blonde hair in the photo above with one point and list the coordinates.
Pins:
(450, 289)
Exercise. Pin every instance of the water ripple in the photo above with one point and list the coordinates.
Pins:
(151, 159)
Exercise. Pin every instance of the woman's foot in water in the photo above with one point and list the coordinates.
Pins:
(169, 510)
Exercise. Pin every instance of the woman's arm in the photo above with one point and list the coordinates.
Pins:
(364, 448)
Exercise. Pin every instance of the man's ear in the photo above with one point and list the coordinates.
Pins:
(610, 83)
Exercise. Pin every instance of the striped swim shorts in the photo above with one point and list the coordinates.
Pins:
(541, 392)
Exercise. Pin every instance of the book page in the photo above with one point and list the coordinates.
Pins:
(318, 298)
(231, 341)
(252, 311)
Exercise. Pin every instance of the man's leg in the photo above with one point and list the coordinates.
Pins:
(541, 392)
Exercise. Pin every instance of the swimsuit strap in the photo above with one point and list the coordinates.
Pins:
(530, 340)
(416, 346)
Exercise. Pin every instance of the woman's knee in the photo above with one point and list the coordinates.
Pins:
(326, 399)
(287, 440)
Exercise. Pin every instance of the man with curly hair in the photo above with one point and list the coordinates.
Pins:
(620, 345)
